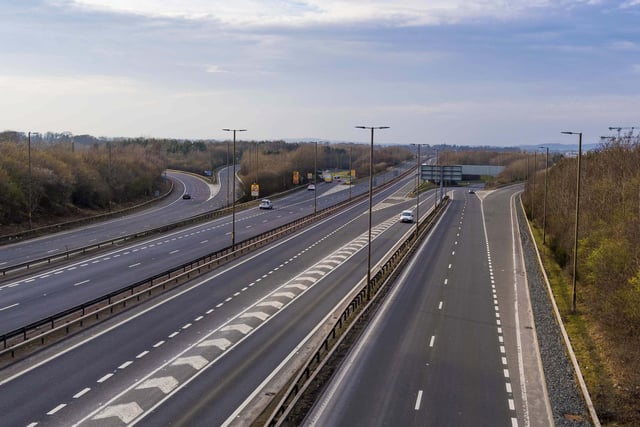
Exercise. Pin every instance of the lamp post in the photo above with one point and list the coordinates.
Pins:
(544, 204)
(350, 175)
(372, 128)
(575, 239)
(417, 190)
(233, 203)
(228, 174)
(315, 179)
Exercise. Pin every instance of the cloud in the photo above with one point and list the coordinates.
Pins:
(293, 13)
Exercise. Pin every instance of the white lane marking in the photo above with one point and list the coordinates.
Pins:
(143, 354)
(10, 306)
(174, 252)
(125, 412)
(186, 326)
(196, 362)
(446, 281)
(239, 327)
(125, 364)
(56, 409)
(134, 265)
(81, 393)
(440, 306)
(165, 384)
(158, 344)
(174, 334)
(221, 343)
(81, 283)
(106, 377)
(433, 338)
(199, 318)
(418, 400)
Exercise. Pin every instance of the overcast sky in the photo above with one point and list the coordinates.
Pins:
(484, 72)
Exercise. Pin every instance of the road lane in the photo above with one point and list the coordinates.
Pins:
(123, 355)
(445, 348)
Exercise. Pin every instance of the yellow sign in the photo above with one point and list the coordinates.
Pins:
(255, 190)
(296, 177)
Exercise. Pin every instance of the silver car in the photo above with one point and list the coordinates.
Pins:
(406, 216)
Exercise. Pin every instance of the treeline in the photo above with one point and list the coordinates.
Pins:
(72, 174)
(608, 261)
(272, 164)
(65, 178)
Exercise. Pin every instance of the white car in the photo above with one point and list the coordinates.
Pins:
(266, 204)
(406, 216)
(311, 187)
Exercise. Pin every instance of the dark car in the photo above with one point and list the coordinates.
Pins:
(186, 196)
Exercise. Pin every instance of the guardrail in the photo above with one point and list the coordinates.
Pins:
(283, 412)
(23, 341)
(207, 216)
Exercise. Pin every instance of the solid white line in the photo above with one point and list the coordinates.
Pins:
(81, 393)
(418, 400)
(10, 306)
(56, 409)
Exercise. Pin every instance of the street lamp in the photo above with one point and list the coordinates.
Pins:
(575, 239)
(418, 171)
(233, 204)
(372, 128)
(315, 179)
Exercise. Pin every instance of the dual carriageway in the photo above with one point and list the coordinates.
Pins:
(447, 346)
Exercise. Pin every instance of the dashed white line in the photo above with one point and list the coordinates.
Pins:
(143, 354)
(56, 409)
(81, 393)
(125, 364)
(174, 252)
(174, 334)
(158, 344)
(433, 338)
(186, 326)
(106, 377)
(199, 318)
(10, 306)
(81, 283)
(418, 400)
(440, 306)
(134, 265)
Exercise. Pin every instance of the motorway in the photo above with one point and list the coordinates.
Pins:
(453, 343)
(33, 297)
(170, 209)
(221, 337)
(460, 349)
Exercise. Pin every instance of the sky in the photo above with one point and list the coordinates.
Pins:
(457, 72)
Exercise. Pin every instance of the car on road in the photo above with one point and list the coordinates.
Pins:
(406, 216)
(472, 191)
(266, 204)
(186, 196)
(311, 187)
